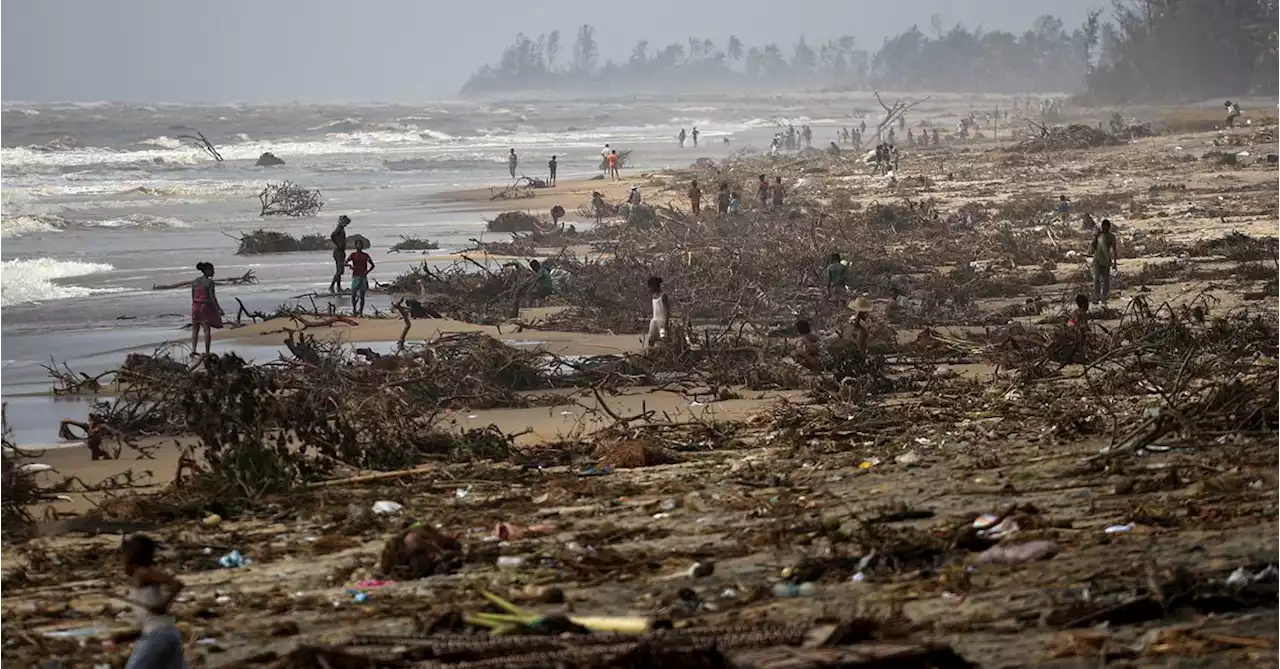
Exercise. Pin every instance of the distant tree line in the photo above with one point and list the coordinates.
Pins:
(1147, 50)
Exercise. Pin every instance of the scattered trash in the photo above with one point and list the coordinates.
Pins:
(35, 467)
(1017, 553)
(785, 590)
(1116, 529)
(386, 507)
(858, 577)
(360, 597)
(373, 583)
(510, 561)
(596, 471)
(75, 632)
(234, 560)
(461, 493)
(212, 520)
(222, 599)
(1242, 576)
(702, 569)
(908, 458)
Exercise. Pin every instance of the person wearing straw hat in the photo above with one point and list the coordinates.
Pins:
(860, 321)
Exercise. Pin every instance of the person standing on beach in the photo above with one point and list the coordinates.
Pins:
(604, 159)
(634, 198)
(762, 190)
(152, 591)
(735, 203)
(511, 162)
(361, 264)
(837, 277)
(206, 313)
(778, 191)
(695, 198)
(661, 320)
(722, 199)
(694, 135)
(339, 239)
(552, 166)
(681, 137)
(1064, 208)
(613, 165)
(1105, 256)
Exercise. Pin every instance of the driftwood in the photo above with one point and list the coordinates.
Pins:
(247, 278)
(203, 143)
(289, 199)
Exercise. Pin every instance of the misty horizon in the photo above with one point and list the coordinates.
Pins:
(388, 52)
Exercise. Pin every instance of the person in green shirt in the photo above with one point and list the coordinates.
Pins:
(837, 275)
(542, 283)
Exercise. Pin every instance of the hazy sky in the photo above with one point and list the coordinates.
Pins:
(397, 50)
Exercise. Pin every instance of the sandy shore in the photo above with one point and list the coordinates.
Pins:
(271, 333)
(568, 193)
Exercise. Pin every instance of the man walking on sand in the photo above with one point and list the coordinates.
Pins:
(552, 166)
(361, 264)
(511, 162)
(1105, 256)
(695, 198)
(613, 165)
(604, 159)
(694, 135)
(339, 239)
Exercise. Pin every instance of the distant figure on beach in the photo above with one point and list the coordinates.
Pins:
(695, 198)
(339, 239)
(806, 351)
(860, 322)
(762, 190)
(206, 313)
(511, 162)
(694, 135)
(773, 148)
(634, 198)
(597, 204)
(613, 165)
(725, 141)
(1233, 111)
(552, 165)
(936, 142)
(604, 158)
(807, 133)
(152, 591)
(862, 127)
(1087, 223)
(1080, 317)
(660, 321)
(361, 264)
(543, 285)
(735, 203)
(911, 140)
(837, 277)
(834, 150)
(1105, 256)
(722, 199)
(778, 191)
(1064, 208)
(681, 137)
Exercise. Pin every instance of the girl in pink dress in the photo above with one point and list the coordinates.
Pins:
(206, 313)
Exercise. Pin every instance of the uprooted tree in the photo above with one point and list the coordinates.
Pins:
(289, 199)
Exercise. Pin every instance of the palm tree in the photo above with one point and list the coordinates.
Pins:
(735, 48)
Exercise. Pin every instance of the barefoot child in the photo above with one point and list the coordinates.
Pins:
(206, 313)
(152, 591)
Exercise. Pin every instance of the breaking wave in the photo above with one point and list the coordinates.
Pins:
(18, 226)
(29, 280)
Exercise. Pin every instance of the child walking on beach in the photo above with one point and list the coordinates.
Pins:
(659, 323)
(206, 313)
(152, 592)
(361, 264)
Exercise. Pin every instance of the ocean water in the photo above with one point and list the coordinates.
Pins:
(102, 200)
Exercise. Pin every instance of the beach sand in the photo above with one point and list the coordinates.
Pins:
(568, 193)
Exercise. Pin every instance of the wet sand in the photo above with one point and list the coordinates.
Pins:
(568, 193)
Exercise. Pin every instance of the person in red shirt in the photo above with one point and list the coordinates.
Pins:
(361, 264)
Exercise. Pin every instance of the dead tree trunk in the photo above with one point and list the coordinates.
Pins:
(892, 113)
